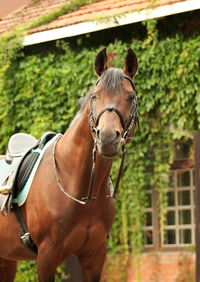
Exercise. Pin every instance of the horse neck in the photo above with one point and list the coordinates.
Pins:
(74, 155)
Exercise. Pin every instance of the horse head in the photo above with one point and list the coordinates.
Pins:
(113, 104)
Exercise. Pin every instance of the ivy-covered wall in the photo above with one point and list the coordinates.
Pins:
(40, 87)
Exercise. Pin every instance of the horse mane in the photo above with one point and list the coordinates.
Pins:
(111, 83)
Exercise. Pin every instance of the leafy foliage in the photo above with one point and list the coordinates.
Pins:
(26, 271)
(40, 90)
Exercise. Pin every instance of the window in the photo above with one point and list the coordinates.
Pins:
(179, 229)
(180, 223)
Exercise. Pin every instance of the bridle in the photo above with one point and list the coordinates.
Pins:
(127, 127)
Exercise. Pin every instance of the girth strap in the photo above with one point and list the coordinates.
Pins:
(24, 235)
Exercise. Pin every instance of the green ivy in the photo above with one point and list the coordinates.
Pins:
(26, 271)
(39, 92)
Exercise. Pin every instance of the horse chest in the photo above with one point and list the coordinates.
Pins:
(92, 235)
(98, 225)
(92, 228)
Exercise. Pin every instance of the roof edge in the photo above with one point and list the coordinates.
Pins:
(115, 21)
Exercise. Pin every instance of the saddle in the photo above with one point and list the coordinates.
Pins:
(22, 154)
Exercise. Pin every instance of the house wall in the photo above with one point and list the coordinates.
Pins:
(154, 267)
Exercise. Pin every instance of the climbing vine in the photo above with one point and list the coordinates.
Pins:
(39, 92)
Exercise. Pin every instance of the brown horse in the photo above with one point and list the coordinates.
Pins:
(61, 222)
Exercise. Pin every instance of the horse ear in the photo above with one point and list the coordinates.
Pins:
(100, 63)
(131, 64)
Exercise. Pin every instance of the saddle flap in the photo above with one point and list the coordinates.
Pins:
(16, 176)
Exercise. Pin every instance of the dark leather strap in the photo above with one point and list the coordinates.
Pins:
(131, 81)
(110, 109)
(24, 235)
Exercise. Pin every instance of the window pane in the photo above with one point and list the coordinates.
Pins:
(170, 199)
(148, 219)
(170, 237)
(182, 151)
(183, 198)
(184, 216)
(193, 175)
(184, 179)
(148, 237)
(171, 218)
(185, 236)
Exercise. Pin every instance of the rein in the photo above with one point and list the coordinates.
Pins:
(133, 120)
(57, 177)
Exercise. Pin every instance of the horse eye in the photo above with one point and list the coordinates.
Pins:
(94, 96)
(130, 97)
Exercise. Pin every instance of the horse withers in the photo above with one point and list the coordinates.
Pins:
(70, 207)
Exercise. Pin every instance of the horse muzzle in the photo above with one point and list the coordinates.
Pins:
(108, 143)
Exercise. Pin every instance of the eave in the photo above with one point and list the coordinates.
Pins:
(106, 23)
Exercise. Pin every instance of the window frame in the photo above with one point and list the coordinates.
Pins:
(179, 166)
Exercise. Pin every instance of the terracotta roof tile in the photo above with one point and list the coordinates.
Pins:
(29, 13)
(100, 9)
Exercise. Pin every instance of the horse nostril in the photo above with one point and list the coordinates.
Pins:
(117, 134)
(108, 136)
(98, 132)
